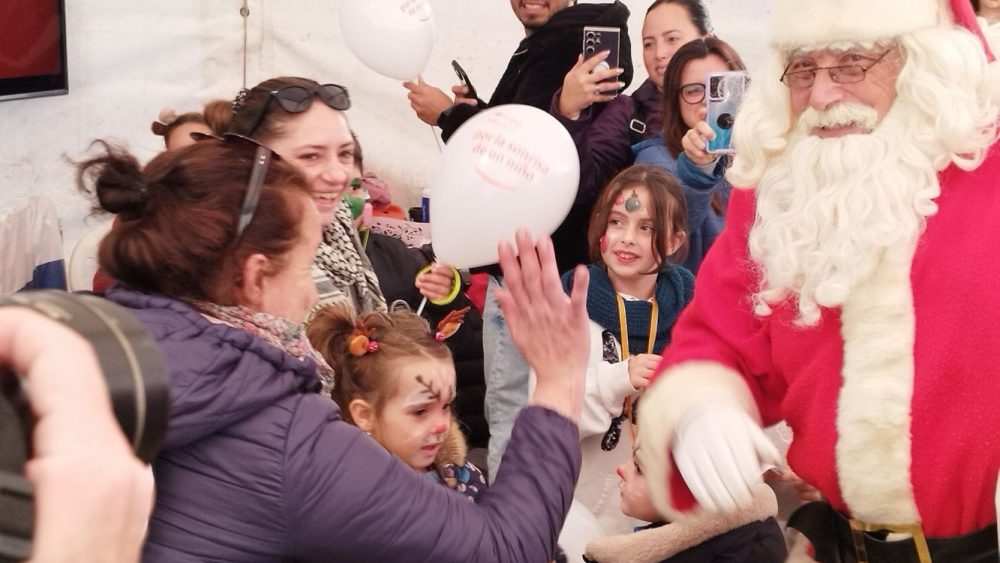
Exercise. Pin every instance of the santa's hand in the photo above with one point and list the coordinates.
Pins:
(719, 451)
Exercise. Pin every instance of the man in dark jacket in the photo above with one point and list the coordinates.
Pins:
(553, 40)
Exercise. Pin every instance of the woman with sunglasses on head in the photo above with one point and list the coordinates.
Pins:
(213, 256)
(681, 146)
(304, 122)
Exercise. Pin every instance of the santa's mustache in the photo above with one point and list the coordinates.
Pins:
(841, 115)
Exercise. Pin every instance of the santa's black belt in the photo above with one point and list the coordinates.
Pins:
(837, 539)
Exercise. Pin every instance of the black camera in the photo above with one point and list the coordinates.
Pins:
(137, 379)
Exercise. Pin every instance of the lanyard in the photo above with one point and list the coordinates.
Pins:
(623, 326)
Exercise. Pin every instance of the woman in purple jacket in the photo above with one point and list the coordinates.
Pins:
(605, 133)
(213, 256)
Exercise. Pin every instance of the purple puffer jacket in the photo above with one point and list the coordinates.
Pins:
(259, 467)
(603, 138)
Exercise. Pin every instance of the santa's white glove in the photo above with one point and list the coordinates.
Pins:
(719, 451)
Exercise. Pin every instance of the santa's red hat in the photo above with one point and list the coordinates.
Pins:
(805, 23)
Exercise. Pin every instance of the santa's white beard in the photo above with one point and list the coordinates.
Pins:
(827, 209)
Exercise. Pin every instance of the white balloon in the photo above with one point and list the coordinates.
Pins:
(508, 167)
(392, 37)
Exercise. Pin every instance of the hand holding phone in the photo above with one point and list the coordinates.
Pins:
(463, 77)
(598, 39)
(723, 96)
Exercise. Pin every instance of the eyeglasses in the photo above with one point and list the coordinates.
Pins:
(841, 74)
(693, 93)
(297, 99)
(258, 173)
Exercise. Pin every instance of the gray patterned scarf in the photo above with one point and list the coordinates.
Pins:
(340, 257)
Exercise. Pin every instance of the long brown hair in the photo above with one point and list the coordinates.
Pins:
(674, 127)
(177, 217)
(669, 212)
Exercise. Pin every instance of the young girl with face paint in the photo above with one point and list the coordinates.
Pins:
(395, 379)
(636, 236)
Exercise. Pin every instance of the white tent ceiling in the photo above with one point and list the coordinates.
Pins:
(128, 60)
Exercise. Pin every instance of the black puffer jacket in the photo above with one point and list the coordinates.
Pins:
(541, 61)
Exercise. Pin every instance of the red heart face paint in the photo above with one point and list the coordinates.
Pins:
(604, 244)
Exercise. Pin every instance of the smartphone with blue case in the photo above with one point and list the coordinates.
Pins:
(723, 96)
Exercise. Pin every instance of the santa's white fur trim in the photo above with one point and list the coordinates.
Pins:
(682, 388)
(874, 408)
(805, 23)
(657, 544)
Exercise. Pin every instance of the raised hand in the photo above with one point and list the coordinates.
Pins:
(427, 101)
(695, 141)
(583, 87)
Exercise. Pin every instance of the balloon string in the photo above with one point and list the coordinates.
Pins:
(436, 139)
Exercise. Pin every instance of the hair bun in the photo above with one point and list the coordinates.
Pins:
(117, 180)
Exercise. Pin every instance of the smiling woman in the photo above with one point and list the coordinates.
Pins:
(304, 122)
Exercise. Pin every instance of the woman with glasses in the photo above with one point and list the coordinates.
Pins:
(681, 146)
(213, 256)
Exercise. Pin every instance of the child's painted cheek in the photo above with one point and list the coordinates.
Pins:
(604, 243)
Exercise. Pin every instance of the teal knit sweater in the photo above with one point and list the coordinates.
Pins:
(674, 289)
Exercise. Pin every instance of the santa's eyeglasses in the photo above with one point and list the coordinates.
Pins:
(841, 74)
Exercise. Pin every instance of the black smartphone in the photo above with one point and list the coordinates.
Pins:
(464, 79)
(597, 39)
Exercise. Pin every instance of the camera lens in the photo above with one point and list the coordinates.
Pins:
(589, 35)
(130, 360)
(716, 88)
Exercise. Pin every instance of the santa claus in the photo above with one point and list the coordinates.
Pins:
(854, 291)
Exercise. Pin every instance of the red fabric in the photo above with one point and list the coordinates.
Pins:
(476, 292)
(103, 281)
(965, 16)
(795, 373)
(680, 495)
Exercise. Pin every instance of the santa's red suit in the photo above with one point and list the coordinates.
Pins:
(894, 398)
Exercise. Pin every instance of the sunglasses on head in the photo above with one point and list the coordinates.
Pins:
(258, 172)
(297, 99)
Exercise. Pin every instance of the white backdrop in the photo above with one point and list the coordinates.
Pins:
(128, 60)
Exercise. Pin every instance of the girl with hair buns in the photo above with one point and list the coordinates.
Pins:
(213, 256)
(176, 129)
(396, 381)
